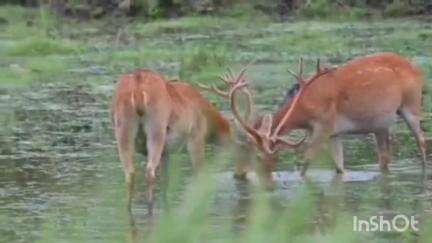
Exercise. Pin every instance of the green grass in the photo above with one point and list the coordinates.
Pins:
(185, 25)
(307, 43)
(34, 70)
(42, 47)
(13, 13)
(14, 76)
(204, 64)
(398, 8)
(48, 67)
(241, 18)
(330, 10)
(24, 23)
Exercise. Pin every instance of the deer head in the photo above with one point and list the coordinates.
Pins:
(267, 136)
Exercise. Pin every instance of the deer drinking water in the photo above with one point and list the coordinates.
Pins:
(148, 112)
(366, 95)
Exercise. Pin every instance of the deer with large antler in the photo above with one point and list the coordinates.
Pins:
(364, 96)
(149, 112)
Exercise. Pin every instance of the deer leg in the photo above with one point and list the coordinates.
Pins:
(156, 133)
(319, 136)
(383, 144)
(268, 166)
(337, 154)
(243, 157)
(125, 127)
(413, 122)
(165, 174)
(196, 150)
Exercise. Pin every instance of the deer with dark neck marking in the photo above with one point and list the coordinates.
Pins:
(364, 96)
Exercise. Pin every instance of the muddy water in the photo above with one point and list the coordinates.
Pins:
(60, 177)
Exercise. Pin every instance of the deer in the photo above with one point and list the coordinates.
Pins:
(366, 95)
(150, 112)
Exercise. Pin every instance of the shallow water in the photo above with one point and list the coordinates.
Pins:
(60, 176)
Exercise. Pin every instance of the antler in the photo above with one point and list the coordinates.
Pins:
(229, 81)
(214, 89)
(269, 141)
(264, 138)
(303, 84)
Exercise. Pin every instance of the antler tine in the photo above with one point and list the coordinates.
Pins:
(230, 74)
(229, 77)
(241, 75)
(213, 89)
(291, 144)
(301, 65)
(238, 80)
(293, 74)
(265, 132)
(249, 129)
(231, 81)
(224, 78)
(249, 104)
(320, 72)
(298, 76)
(204, 87)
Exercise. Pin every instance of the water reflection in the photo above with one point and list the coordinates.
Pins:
(240, 211)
